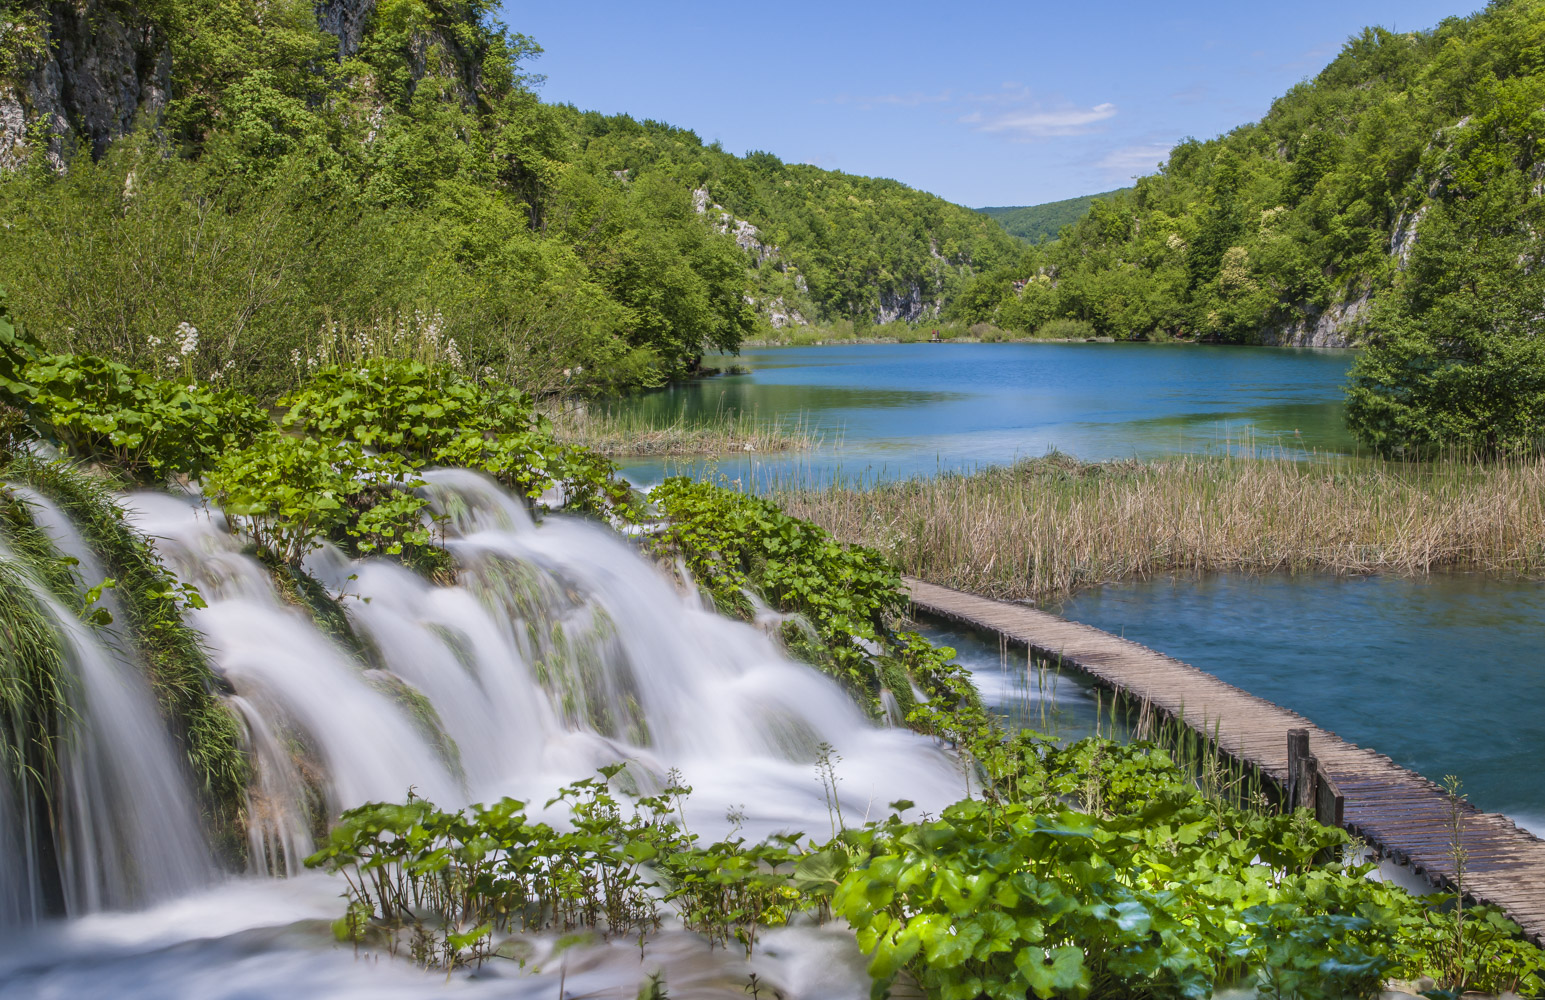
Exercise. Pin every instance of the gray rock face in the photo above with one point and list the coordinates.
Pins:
(746, 236)
(908, 307)
(346, 19)
(1340, 325)
(103, 66)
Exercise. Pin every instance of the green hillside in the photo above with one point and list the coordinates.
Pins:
(1039, 223)
(1394, 199)
(398, 178)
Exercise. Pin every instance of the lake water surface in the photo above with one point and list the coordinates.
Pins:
(897, 410)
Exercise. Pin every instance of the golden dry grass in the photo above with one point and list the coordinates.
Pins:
(629, 433)
(1049, 526)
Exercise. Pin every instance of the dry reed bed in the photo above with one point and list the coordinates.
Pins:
(1048, 526)
(633, 434)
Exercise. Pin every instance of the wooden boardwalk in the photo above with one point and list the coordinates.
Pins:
(1395, 810)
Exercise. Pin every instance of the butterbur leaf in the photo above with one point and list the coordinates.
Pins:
(892, 954)
(1049, 973)
(998, 934)
(949, 943)
(1132, 917)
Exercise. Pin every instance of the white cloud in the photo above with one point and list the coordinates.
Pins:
(1038, 123)
(1130, 159)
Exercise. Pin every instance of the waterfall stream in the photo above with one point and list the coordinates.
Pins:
(558, 649)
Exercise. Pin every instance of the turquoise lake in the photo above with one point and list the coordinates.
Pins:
(898, 410)
(1445, 675)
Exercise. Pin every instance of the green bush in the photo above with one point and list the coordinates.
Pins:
(431, 415)
(1066, 329)
(1163, 895)
(296, 491)
(144, 427)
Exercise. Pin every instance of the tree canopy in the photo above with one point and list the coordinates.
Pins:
(300, 187)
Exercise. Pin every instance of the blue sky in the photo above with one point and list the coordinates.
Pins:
(982, 103)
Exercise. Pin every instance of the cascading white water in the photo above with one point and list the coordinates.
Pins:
(129, 832)
(558, 650)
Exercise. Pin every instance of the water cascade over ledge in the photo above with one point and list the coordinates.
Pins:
(557, 650)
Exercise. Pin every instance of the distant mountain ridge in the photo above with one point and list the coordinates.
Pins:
(1039, 223)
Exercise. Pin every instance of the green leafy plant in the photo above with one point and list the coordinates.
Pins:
(144, 427)
(431, 415)
(293, 492)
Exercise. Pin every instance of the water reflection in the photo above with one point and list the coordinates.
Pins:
(897, 410)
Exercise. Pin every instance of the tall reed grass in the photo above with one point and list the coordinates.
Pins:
(1048, 526)
(628, 432)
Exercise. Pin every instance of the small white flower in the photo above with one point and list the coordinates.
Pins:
(187, 334)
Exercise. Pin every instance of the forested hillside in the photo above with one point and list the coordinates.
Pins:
(1039, 223)
(290, 179)
(1393, 200)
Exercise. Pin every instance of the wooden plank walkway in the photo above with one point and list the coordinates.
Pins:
(1401, 813)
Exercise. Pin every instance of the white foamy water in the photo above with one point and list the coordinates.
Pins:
(559, 649)
(128, 829)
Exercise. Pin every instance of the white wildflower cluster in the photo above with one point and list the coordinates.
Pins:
(296, 359)
(187, 336)
(453, 354)
(429, 324)
(223, 371)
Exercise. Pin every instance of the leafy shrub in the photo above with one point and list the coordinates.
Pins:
(1004, 896)
(16, 349)
(144, 427)
(295, 491)
(434, 416)
(1066, 329)
(450, 881)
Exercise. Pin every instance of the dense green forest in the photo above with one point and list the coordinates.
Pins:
(298, 192)
(1039, 223)
(1395, 196)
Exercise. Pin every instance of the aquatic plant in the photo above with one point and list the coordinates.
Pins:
(1045, 527)
(629, 432)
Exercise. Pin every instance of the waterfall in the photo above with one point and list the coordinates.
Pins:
(127, 829)
(558, 648)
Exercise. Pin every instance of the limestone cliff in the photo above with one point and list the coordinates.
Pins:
(79, 71)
